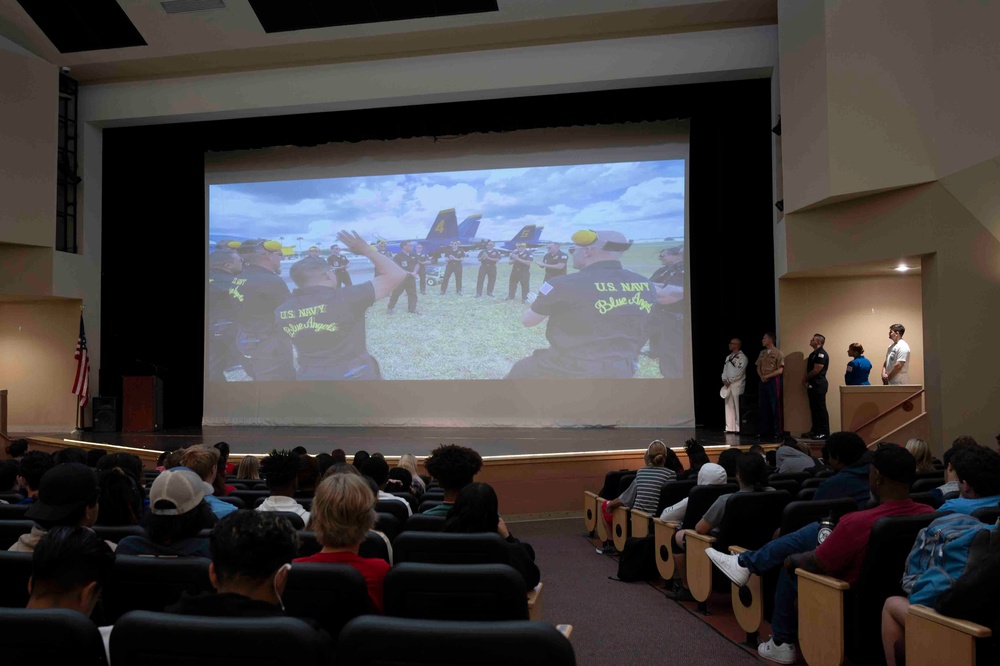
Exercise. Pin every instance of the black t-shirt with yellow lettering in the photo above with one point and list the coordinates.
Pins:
(259, 291)
(597, 313)
(222, 306)
(326, 325)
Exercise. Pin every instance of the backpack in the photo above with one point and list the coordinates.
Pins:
(638, 559)
(939, 556)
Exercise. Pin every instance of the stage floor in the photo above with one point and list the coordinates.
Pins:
(418, 441)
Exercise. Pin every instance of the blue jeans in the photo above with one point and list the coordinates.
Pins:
(785, 620)
(773, 554)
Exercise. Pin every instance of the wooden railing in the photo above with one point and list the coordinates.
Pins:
(899, 405)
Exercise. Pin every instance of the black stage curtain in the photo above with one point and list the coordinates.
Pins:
(152, 312)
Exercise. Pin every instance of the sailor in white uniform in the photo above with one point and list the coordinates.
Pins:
(734, 373)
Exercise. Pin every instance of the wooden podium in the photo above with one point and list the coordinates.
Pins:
(142, 404)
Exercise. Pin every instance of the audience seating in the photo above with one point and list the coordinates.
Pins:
(16, 568)
(926, 485)
(611, 482)
(50, 637)
(308, 544)
(627, 522)
(797, 477)
(375, 546)
(806, 495)
(797, 514)
(835, 621)
(237, 485)
(470, 592)
(624, 481)
(11, 498)
(151, 583)
(590, 511)
(249, 497)
(13, 511)
(428, 504)
(115, 533)
(233, 499)
(932, 474)
(928, 499)
(933, 639)
(790, 486)
(433, 494)
(142, 637)
(412, 500)
(329, 594)
(11, 531)
(397, 509)
(989, 515)
(673, 492)
(812, 482)
(699, 500)
(407, 642)
(389, 525)
(419, 522)
(295, 519)
(450, 548)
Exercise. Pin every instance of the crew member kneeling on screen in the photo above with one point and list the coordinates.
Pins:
(265, 353)
(597, 316)
(326, 323)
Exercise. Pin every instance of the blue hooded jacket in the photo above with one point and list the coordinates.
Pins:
(849, 482)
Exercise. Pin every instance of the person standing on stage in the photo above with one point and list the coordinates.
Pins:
(816, 388)
(223, 312)
(454, 256)
(339, 263)
(858, 367)
(326, 323)
(488, 258)
(896, 369)
(520, 272)
(666, 324)
(734, 375)
(266, 353)
(408, 262)
(424, 261)
(770, 366)
(554, 262)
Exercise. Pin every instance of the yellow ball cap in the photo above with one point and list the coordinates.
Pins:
(584, 237)
(272, 246)
(522, 245)
(234, 245)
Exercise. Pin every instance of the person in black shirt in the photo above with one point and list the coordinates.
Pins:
(326, 324)
(596, 317)
(382, 249)
(666, 324)
(266, 354)
(488, 258)
(816, 388)
(424, 261)
(520, 272)
(339, 263)
(454, 255)
(408, 262)
(554, 262)
(223, 311)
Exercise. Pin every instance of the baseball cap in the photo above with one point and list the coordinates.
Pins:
(181, 487)
(613, 241)
(895, 463)
(62, 491)
(250, 246)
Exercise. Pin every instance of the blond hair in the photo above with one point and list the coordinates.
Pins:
(408, 461)
(343, 510)
(656, 454)
(249, 468)
(922, 452)
(201, 459)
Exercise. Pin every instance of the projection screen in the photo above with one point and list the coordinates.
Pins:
(535, 278)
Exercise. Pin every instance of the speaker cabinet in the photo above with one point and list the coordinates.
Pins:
(105, 414)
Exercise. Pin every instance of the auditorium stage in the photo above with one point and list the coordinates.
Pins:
(396, 441)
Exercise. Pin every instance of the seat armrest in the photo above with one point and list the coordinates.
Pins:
(700, 537)
(963, 626)
(535, 602)
(827, 581)
(736, 550)
(565, 629)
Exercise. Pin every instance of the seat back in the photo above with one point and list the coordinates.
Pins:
(932, 474)
(798, 514)
(11, 531)
(160, 638)
(55, 636)
(928, 499)
(673, 492)
(751, 519)
(389, 525)
(611, 483)
(411, 499)
(788, 485)
(249, 497)
(700, 499)
(433, 494)
(420, 522)
(428, 504)
(375, 546)
(234, 500)
(814, 482)
(115, 533)
(13, 511)
(294, 518)
(424, 642)
(12, 498)
(451, 548)
(889, 545)
(330, 594)
(397, 509)
(988, 515)
(16, 568)
(797, 477)
(926, 485)
(624, 481)
(806, 495)
(152, 583)
(470, 592)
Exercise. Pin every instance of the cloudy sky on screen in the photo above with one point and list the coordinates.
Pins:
(644, 200)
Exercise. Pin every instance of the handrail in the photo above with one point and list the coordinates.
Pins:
(879, 417)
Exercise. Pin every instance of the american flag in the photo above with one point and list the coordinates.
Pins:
(81, 383)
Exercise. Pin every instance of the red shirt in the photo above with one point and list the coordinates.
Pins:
(372, 568)
(844, 550)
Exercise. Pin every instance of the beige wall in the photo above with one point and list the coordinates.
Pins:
(845, 310)
(37, 341)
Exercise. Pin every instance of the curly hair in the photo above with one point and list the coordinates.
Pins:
(280, 469)
(453, 466)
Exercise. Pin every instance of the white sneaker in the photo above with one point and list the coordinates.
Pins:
(729, 565)
(783, 654)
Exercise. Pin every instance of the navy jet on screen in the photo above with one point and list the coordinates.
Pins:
(444, 230)
(530, 235)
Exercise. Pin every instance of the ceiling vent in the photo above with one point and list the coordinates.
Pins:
(187, 6)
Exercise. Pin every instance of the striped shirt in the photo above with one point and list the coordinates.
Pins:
(644, 493)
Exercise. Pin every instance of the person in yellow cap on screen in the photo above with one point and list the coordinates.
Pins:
(223, 311)
(596, 316)
(520, 271)
(266, 354)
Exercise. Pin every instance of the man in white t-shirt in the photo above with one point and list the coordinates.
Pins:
(897, 358)
(734, 374)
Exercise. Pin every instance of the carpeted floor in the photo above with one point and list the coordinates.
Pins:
(614, 622)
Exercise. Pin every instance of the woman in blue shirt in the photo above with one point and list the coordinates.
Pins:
(858, 367)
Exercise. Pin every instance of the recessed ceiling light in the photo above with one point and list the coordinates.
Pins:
(902, 268)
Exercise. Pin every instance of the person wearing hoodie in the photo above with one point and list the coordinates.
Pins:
(793, 457)
(847, 456)
(709, 475)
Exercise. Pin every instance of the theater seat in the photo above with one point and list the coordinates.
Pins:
(294, 518)
(419, 522)
(451, 548)
(926, 485)
(389, 525)
(798, 514)
(115, 533)
(152, 583)
(11, 531)
(469, 592)
(590, 511)
(159, 638)
(49, 637)
(13, 511)
(12, 498)
(406, 642)
(330, 594)
(236, 501)
(411, 499)
(699, 500)
(933, 639)
(427, 504)
(397, 509)
(15, 570)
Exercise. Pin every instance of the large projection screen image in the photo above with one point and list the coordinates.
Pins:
(565, 269)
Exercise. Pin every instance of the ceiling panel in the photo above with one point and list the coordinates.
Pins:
(284, 16)
(73, 26)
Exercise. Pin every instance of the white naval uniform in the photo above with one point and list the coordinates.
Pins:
(735, 372)
(898, 351)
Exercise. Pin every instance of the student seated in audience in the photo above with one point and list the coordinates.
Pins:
(281, 472)
(696, 458)
(94, 456)
(70, 454)
(204, 461)
(476, 510)
(308, 476)
(223, 468)
(339, 456)
(17, 448)
(174, 459)
(177, 513)
(408, 461)
(343, 513)
(847, 455)
(360, 458)
(950, 478)
(248, 469)
(644, 492)
(793, 456)
(840, 555)
(121, 500)
(454, 467)
(709, 475)
(324, 461)
(922, 452)
(67, 497)
(8, 476)
(377, 469)
(34, 465)
(727, 460)
(751, 475)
